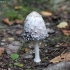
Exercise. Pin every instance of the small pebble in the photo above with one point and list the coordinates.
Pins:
(13, 47)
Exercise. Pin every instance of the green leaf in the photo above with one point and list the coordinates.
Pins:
(28, 69)
(14, 56)
(19, 17)
(18, 64)
(10, 64)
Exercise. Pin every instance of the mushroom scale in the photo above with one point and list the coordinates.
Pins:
(34, 27)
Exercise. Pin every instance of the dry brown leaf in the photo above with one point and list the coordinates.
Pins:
(6, 20)
(26, 50)
(18, 21)
(17, 7)
(46, 13)
(65, 12)
(66, 32)
(63, 8)
(64, 44)
(2, 49)
(63, 57)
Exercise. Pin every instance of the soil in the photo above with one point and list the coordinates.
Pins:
(48, 49)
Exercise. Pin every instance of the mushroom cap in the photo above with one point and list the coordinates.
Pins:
(34, 27)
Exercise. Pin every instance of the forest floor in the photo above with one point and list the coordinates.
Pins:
(57, 44)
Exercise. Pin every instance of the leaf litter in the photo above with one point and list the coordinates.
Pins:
(53, 54)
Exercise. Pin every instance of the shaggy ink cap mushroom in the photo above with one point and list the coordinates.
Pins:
(35, 30)
(34, 27)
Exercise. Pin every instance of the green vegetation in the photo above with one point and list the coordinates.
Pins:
(28, 69)
(14, 15)
(18, 64)
(28, 6)
(14, 56)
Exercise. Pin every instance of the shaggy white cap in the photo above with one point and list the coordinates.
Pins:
(34, 27)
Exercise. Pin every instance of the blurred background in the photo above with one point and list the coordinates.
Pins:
(18, 9)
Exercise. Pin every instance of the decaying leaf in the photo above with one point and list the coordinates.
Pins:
(64, 44)
(63, 57)
(10, 39)
(66, 32)
(6, 20)
(62, 25)
(17, 7)
(26, 50)
(2, 49)
(63, 8)
(18, 21)
(65, 12)
(18, 64)
(46, 13)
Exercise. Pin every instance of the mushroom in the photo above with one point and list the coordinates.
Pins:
(35, 31)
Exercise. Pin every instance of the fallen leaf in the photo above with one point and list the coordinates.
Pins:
(18, 21)
(17, 7)
(63, 8)
(6, 20)
(14, 56)
(62, 25)
(66, 32)
(26, 50)
(18, 64)
(2, 49)
(10, 64)
(46, 13)
(64, 44)
(63, 57)
(65, 12)
(10, 39)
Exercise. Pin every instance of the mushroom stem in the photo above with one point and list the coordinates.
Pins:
(37, 55)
